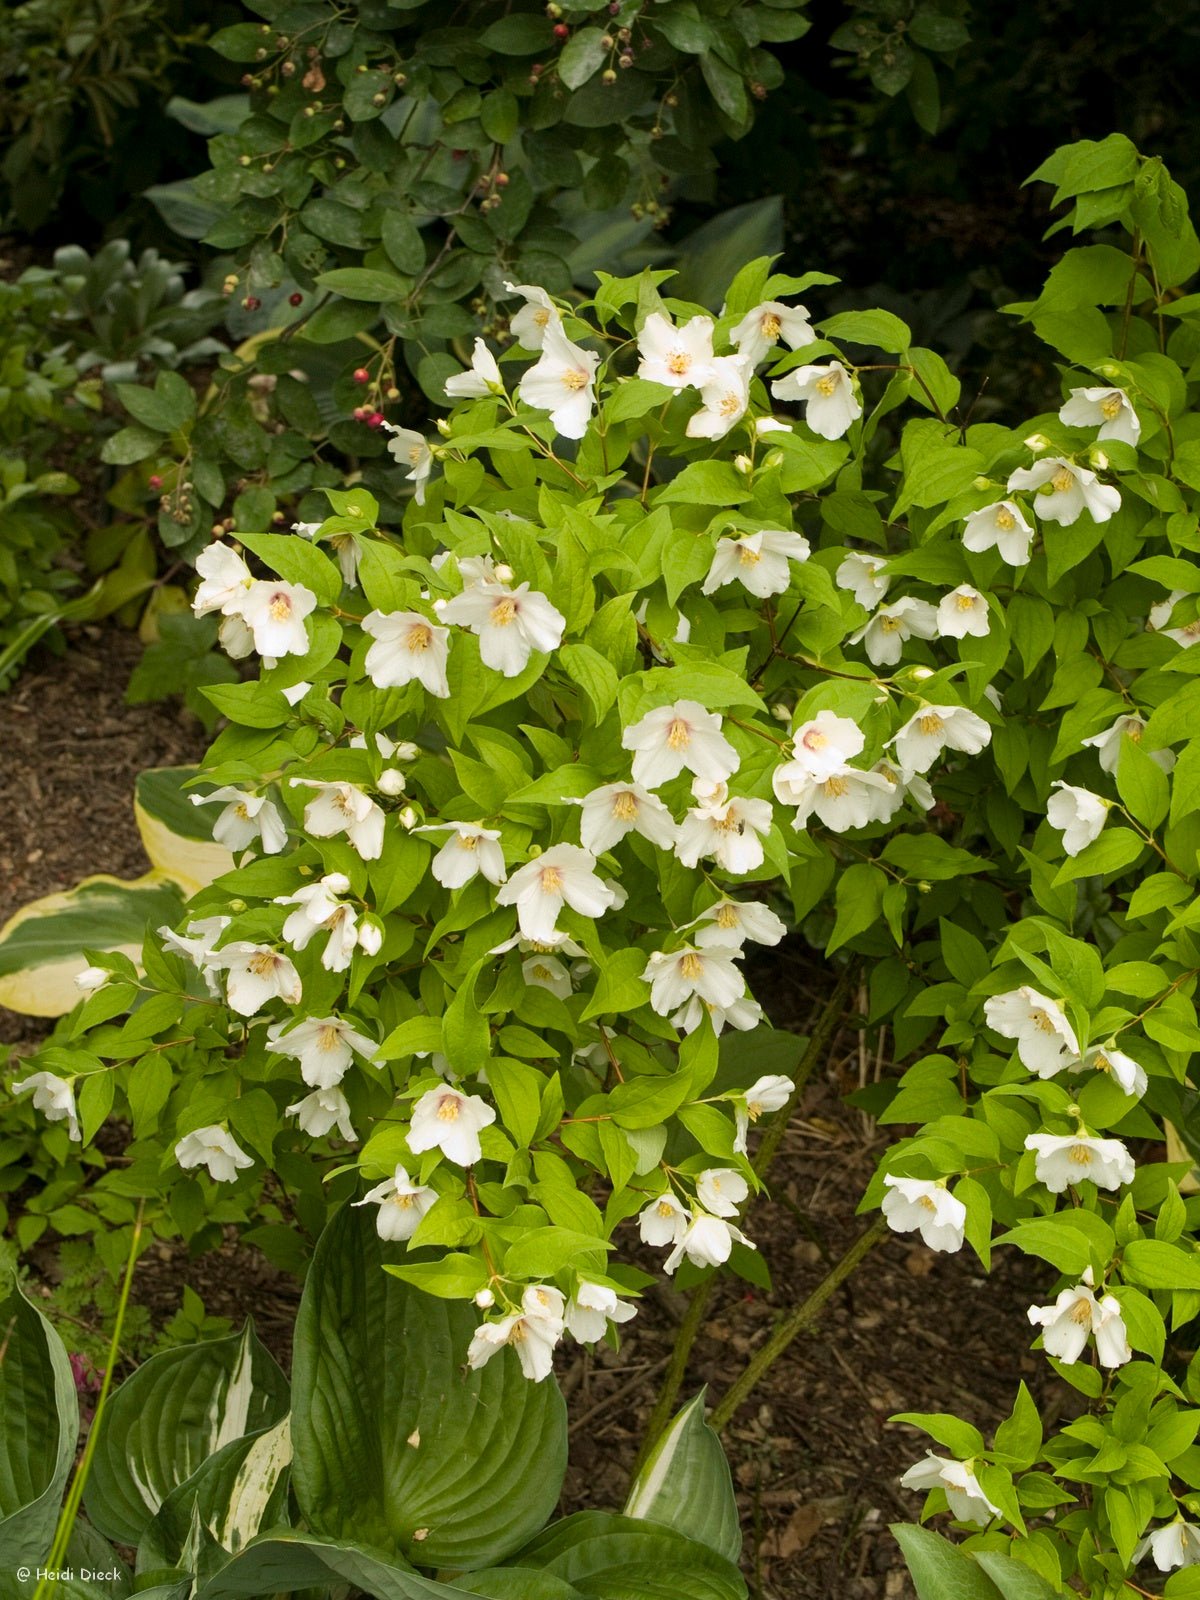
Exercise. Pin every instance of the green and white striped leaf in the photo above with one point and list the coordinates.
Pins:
(176, 835)
(618, 1558)
(164, 1422)
(392, 1437)
(686, 1484)
(282, 1562)
(39, 1428)
(235, 1495)
(42, 946)
(89, 1552)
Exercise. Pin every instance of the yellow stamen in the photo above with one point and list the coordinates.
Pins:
(448, 1108)
(828, 384)
(770, 325)
(468, 841)
(679, 363)
(280, 608)
(625, 806)
(1111, 406)
(1081, 1155)
(1005, 520)
(420, 636)
(504, 612)
(679, 735)
(727, 917)
(930, 722)
(836, 787)
(552, 880)
(575, 378)
(691, 966)
(1062, 480)
(1081, 1312)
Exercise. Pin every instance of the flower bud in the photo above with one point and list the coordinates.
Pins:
(920, 674)
(443, 427)
(781, 713)
(408, 817)
(1036, 442)
(391, 782)
(743, 464)
(1099, 459)
(485, 1299)
(504, 573)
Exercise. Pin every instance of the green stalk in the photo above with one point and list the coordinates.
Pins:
(47, 1587)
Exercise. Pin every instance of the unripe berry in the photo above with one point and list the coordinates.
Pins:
(607, 41)
(502, 180)
(251, 303)
(400, 79)
(379, 99)
(624, 59)
(608, 76)
(393, 393)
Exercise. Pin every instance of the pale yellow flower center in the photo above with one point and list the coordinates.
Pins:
(891, 624)
(519, 1333)
(448, 1108)
(239, 810)
(541, 316)
(263, 963)
(328, 1037)
(542, 973)
(748, 556)
(404, 1201)
(625, 806)
(1101, 1062)
(1081, 1155)
(1133, 730)
(504, 612)
(814, 739)
(665, 1209)
(835, 787)
(468, 841)
(727, 917)
(828, 384)
(280, 608)
(679, 362)
(930, 722)
(552, 880)
(678, 734)
(730, 406)
(770, 325)
(420, 637)
(965, 602)
(574, 379)
(927, 1202)
(1062, 480)
(1042, 1021)
(415, 454)
(1005, 519)
(691, 966)
(1081, 1312)
(1111, 406)
(342, 801)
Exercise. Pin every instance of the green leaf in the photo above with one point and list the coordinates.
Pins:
(940, 1570)
(39, 1428)
(176, 1410)
(584, 53)
(877, 328)
(376, 1364)
(1013, 1578)
(686, 1484)
(618, 1558)
(705, 483)
(165, 408)
(364, 283)
(297, 560)
(859, 898)
(1155, 1264)
(594, 674)
(1115, 849)
(282, 1563)
(1070, 1241)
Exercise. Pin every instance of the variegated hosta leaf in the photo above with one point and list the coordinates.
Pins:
(176, 835)
(164, 1423)
(686, 1484)
(234, 1496)
(42, 945)
(281, 1563)
(618, 1558)
(396, 1444)
(39, 1427)
(89, 1552)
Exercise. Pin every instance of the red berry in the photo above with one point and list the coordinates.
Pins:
(154, 481)
(361, 375)
(361, 413)
(296, 299)
(251, 303)
(561, 31)
(375, 419)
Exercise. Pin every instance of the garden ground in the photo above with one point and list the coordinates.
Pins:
(815, 1462)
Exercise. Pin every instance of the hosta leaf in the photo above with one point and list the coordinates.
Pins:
(392, 1437)
(176, 835)
(164, 1422)
(686, 1484)
(282, 1562)
(617, 1558)
(39, 1426)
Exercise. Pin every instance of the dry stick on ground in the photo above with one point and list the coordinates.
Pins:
(826, 1026)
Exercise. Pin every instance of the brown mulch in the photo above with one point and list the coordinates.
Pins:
(815, 1462)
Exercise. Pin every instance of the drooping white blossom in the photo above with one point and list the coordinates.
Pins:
(322, 1111)
(564, 875)
(731, 922)
(677, 738)
(255, 974)
(769, 1093)
(1002, 526)
(885, 634)
(411, 450)
(246, 817)
(54, 1097)
(445, 1119)
(274, 612)
(865, 576)
(721, 1190)
(481, 378)
(1068, 491)
(680, 358)
(963, 612)
(915, 1205)
(761, 329)
(590, 1310)
(400, 1203)
(744, 1014)
(831, 404)
(1061, 1160)
(1128, 1074)
(933, 729)
(1159, 619)
(1175, 1544)
(1077, 1315)
(470, 850)
(731, 830)
(824, 744)
(1046, 1041)
(547, 972)
(528, 326)
(533, 1333)
(758, 561)
(226, 580)
(1078, 814)
(724, 399)
(1110, 410)
(318, 909)
(510, 624)
(197, 944)
(847, 797)
(709, 973)
(215, 1148)
(614, 810)
(91, 979)
(562, 382)
(343, 808)
(324, 1047)
(407, 648)
(1108, 745)
(707, 1242)
(964, 1496)
(663, 1221)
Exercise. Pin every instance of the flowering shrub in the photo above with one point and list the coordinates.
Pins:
(690, 634)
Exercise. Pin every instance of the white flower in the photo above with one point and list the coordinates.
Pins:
(343, 808)
(482, 377)
(509, 623)
(1078, 814)
(255, 975)
(1046, 1041)
(731, 922)
(721, 1190)
(345, 547)
(1108, 409)
(1069, 491)
(235, 637)
(214, 1148)
(681, 358)
(1128, 1074)
(758, 561)
(663, 1221)
(322, 1111)
(471, 849)
(770, 1093)
(675, 737)
(91, 979)
(609, 813)
(1160, 616)
(227, 580)
(865, 576)
(831, 404)
(449, 1121)
(763, 327)
(966, 1499)
(197, 945)
(884, 634)
(408, 648)
(324, 1047)
(936, 728)
(709, 974)
(562, 383)
(412, 450)
(54, 1098)
(1002, 525)
(1108, 746)
(590, 1310)
(319, 908)
(725, 395)
(1176, 1544)
(728, 830)
(533, 1333)
(274, 612)
(537, 314)
(744, 1014)
(914, 1205)
(845, 798)
(562, 875)
(246, 817)
(401, 1202)
(824, 744)
(1065, 1159)
(547, 972)
(961, 612)
(706, 1242)
(1076, 1314)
